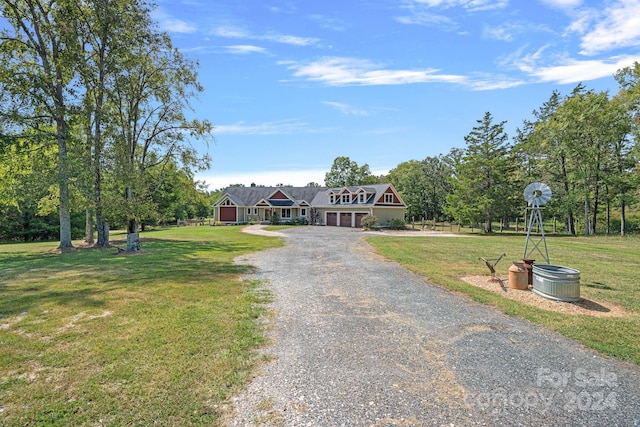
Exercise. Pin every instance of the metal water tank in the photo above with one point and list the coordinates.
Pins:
(556, 282)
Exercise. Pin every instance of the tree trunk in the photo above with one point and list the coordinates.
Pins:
(88, 227)
(586, 215)
(63, 184)
(594, 214)
(133, 237)
(623, 219)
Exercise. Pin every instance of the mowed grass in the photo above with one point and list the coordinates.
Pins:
(90, 337)
(609, 271)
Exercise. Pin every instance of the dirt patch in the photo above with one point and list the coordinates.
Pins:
(587, 307)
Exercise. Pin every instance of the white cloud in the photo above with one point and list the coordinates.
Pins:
(563, 4)
(234, 32)
(484, 5)
(620, 28)
(574, 71)
(337, 71)
(173, 25)
(346, 108)
(471, 5)
(504, 33)
(427, 18)
(265, 128)
(291, 40)
(231, 32)
(244, 49)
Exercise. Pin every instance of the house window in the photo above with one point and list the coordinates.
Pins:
(361, 198)
(255, 211)
(303, 212)
(286, 213)
(248, 211)
(346, 198)
(331, 199)
(388, 198)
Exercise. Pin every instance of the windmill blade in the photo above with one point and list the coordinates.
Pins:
(537, 193)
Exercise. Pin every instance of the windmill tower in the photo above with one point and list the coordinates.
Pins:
(537, 194)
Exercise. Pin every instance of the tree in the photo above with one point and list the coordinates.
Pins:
(424, 186)
(107, 29)
(627, 152)
(542, 155)
(482, 183)
(151, 98)
(345, 173)
(38, 51)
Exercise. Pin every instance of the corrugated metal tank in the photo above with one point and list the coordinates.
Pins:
(556, 282)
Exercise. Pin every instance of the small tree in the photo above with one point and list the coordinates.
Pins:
(369, 221)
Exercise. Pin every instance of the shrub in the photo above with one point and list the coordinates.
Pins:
(369, 221)
(396, 224)
(275, 219)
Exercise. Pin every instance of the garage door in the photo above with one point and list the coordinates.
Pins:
(332, 218)
(228, 214)
(359, 216)
(345, 219)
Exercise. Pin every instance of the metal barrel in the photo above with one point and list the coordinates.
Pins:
(556, 282)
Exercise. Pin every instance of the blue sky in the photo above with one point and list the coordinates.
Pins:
(291, 85)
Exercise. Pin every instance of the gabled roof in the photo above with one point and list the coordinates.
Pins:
(252, 196)
(322, 198)
(302, 196)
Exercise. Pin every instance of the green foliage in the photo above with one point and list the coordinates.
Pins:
(424, 186)
(396, 224)
(300, 220)
(369, 222)
(275, 219)
(483, 185)
(346, 173)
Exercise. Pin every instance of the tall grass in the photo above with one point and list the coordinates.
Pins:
(91, 337)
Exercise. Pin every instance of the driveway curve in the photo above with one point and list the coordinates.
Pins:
(358, 340)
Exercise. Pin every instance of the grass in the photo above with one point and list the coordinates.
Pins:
(608, 272)
(90, 337)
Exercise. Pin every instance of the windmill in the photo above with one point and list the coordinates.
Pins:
(537, 194)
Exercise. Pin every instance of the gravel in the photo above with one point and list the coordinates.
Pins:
(360, 341)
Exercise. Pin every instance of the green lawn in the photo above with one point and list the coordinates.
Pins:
(91, 337)
(609, 271)
(164, 337)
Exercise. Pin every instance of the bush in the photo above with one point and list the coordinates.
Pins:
(396, 224)
(300, 220)
(369, 222)
(275, 219)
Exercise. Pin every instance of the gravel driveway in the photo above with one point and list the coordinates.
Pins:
(360, 341)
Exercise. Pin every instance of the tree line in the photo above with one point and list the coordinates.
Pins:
(93, 120)
(583, 145)
(95, 129)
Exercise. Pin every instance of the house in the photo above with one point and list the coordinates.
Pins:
(342, 207)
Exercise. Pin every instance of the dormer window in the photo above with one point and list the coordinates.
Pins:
(346, 198)
(388, 198)
(331, 198)
(361, 198)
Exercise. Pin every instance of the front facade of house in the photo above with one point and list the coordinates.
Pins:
(342, 207)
